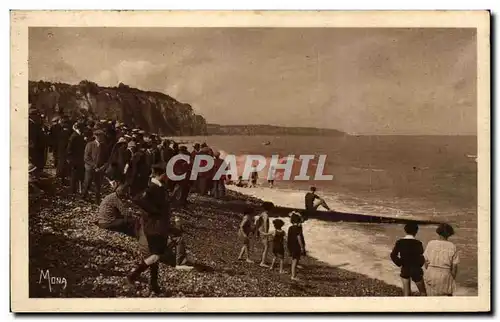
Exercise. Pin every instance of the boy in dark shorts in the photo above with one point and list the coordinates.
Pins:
(294, 243)
(278, 244)
(408, 253)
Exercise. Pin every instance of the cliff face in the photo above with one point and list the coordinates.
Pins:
(152, 111)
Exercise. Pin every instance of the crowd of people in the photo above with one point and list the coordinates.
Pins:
(89, 154)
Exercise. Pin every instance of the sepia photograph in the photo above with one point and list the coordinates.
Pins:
(282, 162)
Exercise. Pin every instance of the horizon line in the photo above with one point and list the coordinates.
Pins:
(348, 133)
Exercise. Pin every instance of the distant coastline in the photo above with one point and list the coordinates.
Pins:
(260, 129)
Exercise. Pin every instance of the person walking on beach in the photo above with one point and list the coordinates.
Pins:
(253, 179)
(271, 176)
(155, 225)
(294, 243)
(312, 202)
(278, 244)
(408, 254)
(441, 263)
(246, 227)
(262, 228)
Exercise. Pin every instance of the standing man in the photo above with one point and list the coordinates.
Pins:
(218, 187)
(166, 152)
(181, 188)
(95, 163)
(36, 140)
(75, 155)
(62, 140)
(55, 128)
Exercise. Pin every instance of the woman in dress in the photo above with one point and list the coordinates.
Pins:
(441, 263)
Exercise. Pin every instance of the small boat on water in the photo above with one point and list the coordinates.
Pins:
(266, 143)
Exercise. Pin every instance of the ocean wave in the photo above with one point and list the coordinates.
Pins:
(361, 248)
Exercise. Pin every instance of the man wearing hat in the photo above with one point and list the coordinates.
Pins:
(36, 140)
(166, 151)
(63, 136)
(117, 160)
(96, 158)
(181, 188)
(75, 155)
(127, 158)
(55, 128)
(134, 172)
(152, 154)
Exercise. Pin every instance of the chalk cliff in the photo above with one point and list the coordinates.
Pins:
(151, 111)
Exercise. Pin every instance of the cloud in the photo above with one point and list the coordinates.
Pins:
(357, 80)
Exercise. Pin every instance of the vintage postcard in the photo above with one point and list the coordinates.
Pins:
(250, 161)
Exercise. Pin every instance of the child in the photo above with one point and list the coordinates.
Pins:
(262, 230)
(155, 224)
(240, 183)
(295, 245)
(253, 179)
(408, 253)
(278, 244)
(246, 228)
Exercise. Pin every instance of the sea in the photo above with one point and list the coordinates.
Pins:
(423, 177)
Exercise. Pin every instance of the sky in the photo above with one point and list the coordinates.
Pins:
(357, 80)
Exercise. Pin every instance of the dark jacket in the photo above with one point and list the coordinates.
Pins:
(166, 154)
(152, 157)
(156, 206)
(408, 252)
(117, 155)
(36, 141)
(76, 149)
(62, 142)
(53, 135)
(136, 166)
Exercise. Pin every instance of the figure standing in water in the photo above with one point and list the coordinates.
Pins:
(312, 202)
